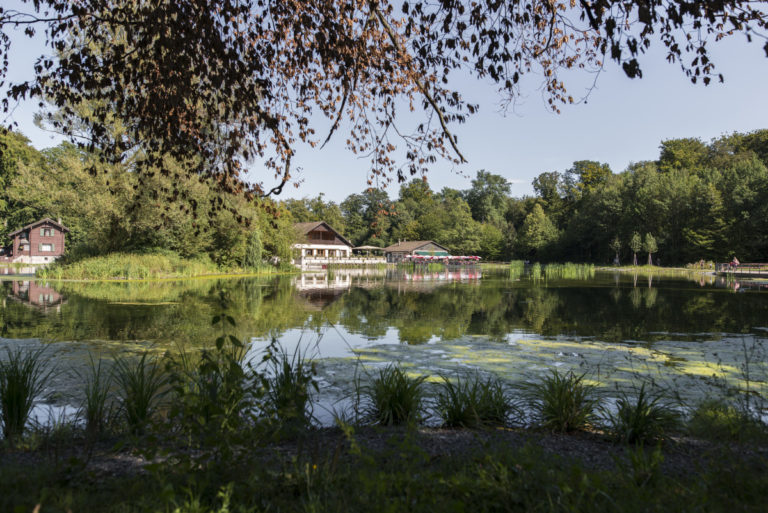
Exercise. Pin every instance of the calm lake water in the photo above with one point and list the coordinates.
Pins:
(686, 334)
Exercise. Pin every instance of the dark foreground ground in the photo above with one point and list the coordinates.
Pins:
(390, 469)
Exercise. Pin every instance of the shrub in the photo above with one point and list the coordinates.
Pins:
(718, 420)
(473, 402)
(562, 402)
(23, 376)
(646, 417)
(393, 398)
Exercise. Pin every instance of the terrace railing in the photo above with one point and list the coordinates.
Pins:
(746, 269)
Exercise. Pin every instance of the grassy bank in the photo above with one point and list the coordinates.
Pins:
(654, 269)
(401, 470)
(143, 266)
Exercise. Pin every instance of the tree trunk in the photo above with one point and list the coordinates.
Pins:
(650, 261)
(634, 259)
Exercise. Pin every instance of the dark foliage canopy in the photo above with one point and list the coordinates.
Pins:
(230, 81)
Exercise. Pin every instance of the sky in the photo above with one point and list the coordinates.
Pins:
(622, 121)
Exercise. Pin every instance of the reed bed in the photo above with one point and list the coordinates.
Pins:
(132, 266)
(516, 269)
(569, 271)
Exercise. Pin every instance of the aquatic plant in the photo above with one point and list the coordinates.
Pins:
(140, 385)
(562, 402)
(393, 398)
(23, 376)
(645, 416)
(472, 401)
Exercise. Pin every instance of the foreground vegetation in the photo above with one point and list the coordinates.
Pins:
(215, 431)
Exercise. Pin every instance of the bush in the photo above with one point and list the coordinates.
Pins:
(393, 398)
(473, 402)
(562, 402)
(718, 420)
(646, 417)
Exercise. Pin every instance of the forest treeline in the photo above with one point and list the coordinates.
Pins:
(109, 208)
(696, 201)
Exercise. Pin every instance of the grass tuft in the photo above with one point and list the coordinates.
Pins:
(473, 402)
(140, 386)
(96, 410)
(289, 384)
(23, 375)
(393, 398)
(562, 402)
(644, 417)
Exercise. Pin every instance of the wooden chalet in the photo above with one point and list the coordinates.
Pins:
(41, 242)
(319, 239)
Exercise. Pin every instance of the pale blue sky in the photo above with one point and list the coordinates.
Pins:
(623, 121)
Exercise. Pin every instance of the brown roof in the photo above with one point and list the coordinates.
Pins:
(305, 228)
(37, 223)
(411, 245)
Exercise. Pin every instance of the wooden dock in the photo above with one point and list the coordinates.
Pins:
(751, 269)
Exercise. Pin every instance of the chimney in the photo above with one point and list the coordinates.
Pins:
(58, 220)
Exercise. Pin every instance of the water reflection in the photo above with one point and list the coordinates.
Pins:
(36, 294)
(411, 308)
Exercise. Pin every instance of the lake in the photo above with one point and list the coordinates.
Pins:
(691, 334)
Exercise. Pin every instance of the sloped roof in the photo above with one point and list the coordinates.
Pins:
(412, 245)
(305, 228)
(38, 223)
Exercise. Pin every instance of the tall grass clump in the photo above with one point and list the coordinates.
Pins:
(96, 410)
(643, 417)
(289, 382)
(516, 269)
(473, 402)
(562, 402)
(393, 398)
(140, 387)
(23, 375)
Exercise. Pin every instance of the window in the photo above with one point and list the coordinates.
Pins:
(46, 232)
(46, 247)
(24, 236)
